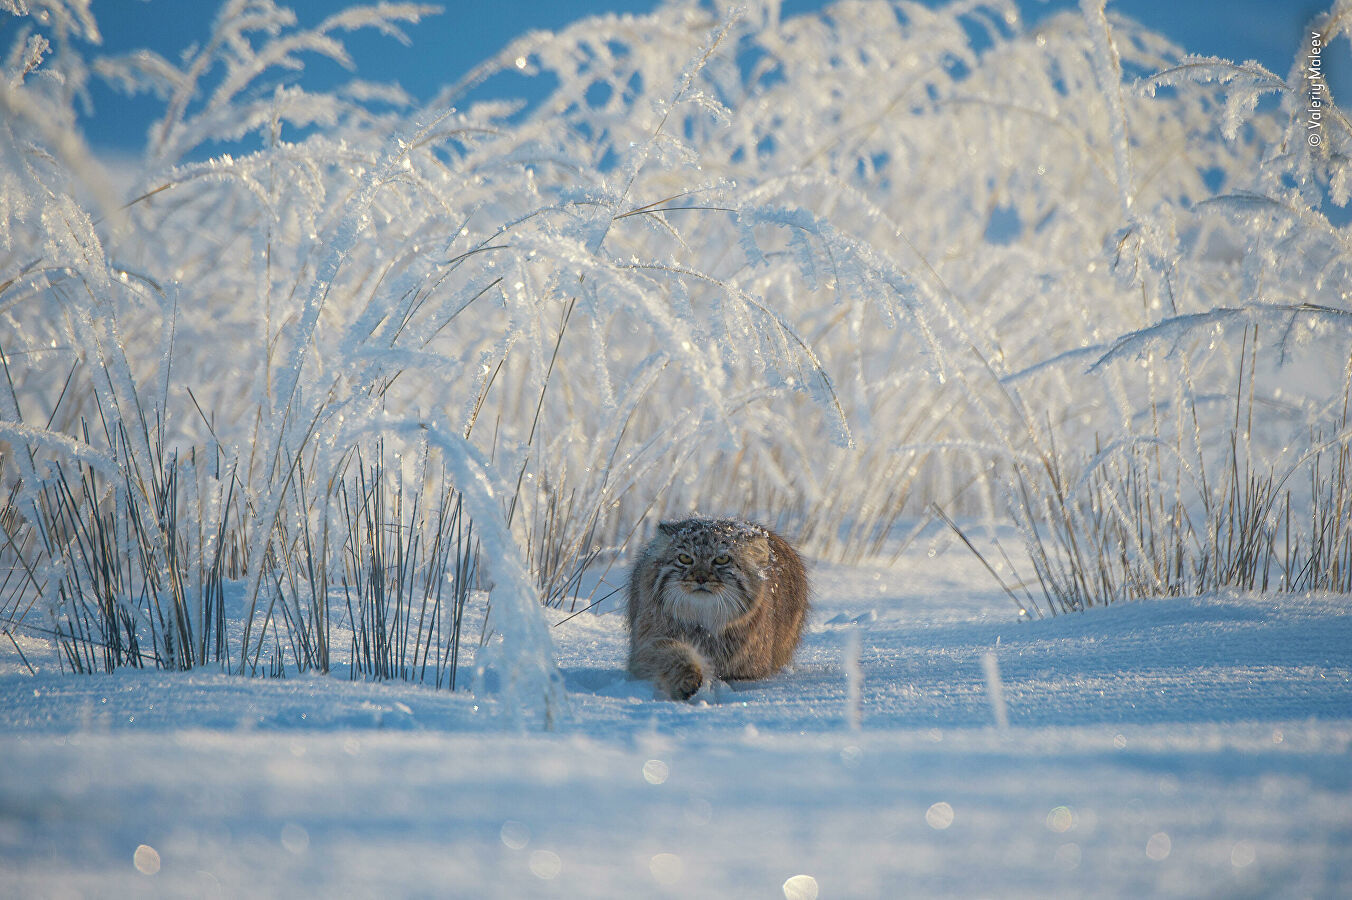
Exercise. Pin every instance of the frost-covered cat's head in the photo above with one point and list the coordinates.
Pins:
(709, 570)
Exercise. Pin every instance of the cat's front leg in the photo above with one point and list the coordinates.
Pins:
(677, 668)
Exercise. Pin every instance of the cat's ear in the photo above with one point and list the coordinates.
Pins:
(758, 551)
(668, 528)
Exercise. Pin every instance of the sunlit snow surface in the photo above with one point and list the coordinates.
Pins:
(1182, 747)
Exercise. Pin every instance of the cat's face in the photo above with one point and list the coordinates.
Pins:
(709, 570)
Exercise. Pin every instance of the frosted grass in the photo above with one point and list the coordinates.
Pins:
(831, 271)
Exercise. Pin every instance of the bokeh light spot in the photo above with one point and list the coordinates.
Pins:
(801, 887)
(699, 812)
(545, 864)
(1060, 819)
(146, 859)
(515, 835)
(655, 771)
(666, 868)
(939, 816)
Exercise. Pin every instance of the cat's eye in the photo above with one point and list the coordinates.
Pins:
(684, 559)
(722, 559)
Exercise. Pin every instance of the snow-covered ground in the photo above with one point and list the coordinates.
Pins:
(1194, 747)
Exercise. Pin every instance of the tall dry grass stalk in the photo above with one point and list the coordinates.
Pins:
(823, 270)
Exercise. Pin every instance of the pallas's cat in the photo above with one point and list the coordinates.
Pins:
(714, 598)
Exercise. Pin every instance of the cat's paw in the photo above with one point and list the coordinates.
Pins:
(684, 682)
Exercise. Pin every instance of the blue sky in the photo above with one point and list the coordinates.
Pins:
(448, 45)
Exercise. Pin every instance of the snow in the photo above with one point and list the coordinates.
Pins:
(1169, 748)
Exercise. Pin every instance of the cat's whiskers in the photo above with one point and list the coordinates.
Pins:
(709, 604)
